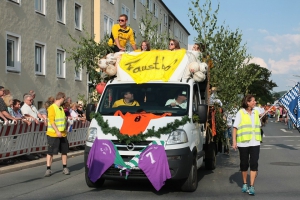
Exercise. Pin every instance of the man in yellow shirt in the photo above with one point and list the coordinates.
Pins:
(56, 134)
(120, 34)
(128, 100)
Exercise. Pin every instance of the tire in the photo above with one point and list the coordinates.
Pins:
(210, 156)
(191, 183)
(91, 184)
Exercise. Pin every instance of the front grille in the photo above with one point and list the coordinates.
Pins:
(137, 146)
(115, 172)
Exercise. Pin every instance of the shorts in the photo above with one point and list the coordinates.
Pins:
(115, 48)
(249, 157)
(56, 144)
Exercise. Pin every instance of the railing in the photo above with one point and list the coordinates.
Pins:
(20, 139)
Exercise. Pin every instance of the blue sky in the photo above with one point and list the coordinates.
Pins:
(270, 28)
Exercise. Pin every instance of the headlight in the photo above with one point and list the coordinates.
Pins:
(91, 135)
(177, 137)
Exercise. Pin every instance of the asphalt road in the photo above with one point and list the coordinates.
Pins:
(278, 177)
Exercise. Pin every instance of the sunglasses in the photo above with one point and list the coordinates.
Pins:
(121, 20)
(171, 44)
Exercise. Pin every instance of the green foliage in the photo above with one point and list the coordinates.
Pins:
(224, 47)
(221, 124)
(140, 137)
(81, 97)
(149, 31)
(262, 86)
(86, 54)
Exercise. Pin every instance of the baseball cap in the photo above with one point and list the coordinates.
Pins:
(182, 93)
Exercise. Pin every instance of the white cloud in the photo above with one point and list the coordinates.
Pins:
(282, 66)
(263, 31)
(286, 40)
(285, 66)
(259, 61)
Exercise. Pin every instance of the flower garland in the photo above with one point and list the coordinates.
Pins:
(140, 137)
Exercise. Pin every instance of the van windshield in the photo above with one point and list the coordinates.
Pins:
(156, 98)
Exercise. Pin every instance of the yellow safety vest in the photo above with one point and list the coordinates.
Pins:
(245, 129)
(60, 119)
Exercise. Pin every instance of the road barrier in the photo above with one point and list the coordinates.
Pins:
(20, 139)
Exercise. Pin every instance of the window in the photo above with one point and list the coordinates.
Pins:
(78, 74)
(39, 59)
(151, 103)
(126, 11)
(15, 1)
(165, 19)
(155, 8)
(39, 6)
(60, 65)
(160, 28)
(134, 9)
(13, 53)
(143, 2)
(61, 11)
(78, 16)
(176, 32)
(108, 23)
(149, 5)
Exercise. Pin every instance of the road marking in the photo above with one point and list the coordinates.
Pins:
(287, 136)
(286, 131)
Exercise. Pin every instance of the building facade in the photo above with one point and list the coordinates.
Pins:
(33, 36)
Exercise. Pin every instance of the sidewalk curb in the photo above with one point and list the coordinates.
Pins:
(35, 163)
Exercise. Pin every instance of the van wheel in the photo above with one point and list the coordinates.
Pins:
(210, 156)
(91, 184)
(191, 183)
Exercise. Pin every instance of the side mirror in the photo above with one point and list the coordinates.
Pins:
(89, 109)
(202, 110)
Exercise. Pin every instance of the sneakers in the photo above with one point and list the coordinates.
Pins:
(251, 190)
(245, 188)
(48, 173)
(66, 171)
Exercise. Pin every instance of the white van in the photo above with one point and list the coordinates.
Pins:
(186, 147)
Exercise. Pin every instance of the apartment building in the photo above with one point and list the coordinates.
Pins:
(32, 35)
(108, 11)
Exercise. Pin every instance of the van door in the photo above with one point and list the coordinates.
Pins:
(198, 128)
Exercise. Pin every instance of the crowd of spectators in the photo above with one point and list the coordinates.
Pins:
(16, 111)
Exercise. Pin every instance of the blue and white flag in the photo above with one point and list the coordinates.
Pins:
(291, 101)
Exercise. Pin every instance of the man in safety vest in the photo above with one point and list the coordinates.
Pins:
(56, 134)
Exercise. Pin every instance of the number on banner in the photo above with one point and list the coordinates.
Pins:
(151, 157)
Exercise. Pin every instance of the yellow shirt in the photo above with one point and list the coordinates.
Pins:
(121, 102)
(122, 34)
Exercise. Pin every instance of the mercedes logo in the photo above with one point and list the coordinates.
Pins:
(130, 147)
